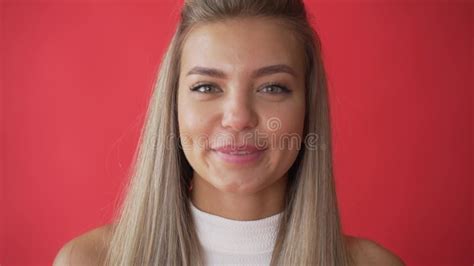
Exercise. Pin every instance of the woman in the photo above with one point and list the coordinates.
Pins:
(234, 164)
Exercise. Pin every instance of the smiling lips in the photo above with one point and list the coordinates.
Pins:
(243, 154)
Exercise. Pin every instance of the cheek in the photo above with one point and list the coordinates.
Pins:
(292, 120)
(285, 129)
(194, 124)
(286, 119)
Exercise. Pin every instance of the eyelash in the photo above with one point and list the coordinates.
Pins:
(283, 88)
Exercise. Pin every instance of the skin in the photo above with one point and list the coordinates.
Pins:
(226, 190)
(238, 105)
(90, 249)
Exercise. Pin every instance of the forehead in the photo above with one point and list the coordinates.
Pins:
(241, 44)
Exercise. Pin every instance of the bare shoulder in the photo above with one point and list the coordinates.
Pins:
(368, 252)
(86, 249)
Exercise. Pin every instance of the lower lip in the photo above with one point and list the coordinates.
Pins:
(240, 159)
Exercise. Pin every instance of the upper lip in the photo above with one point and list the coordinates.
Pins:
(233, 148)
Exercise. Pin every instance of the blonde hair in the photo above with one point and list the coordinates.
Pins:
(154, 225)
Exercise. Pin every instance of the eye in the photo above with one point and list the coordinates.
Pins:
(204, 88)
(275, 88)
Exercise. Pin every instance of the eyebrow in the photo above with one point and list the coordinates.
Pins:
(267, 70)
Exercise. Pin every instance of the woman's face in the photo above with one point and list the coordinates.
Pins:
(241, 103)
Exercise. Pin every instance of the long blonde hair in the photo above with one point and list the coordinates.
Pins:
(154, 225)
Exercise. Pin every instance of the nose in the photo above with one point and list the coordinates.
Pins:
(239, 113)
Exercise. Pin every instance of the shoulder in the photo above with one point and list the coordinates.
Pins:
(86, 249)
(367, 252)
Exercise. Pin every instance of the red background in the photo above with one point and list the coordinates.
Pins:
(77, 76)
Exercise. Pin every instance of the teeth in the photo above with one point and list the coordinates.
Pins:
(239, 152)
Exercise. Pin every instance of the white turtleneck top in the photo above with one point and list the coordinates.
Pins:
(233, 242)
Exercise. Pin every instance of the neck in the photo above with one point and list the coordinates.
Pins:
(239, 206)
